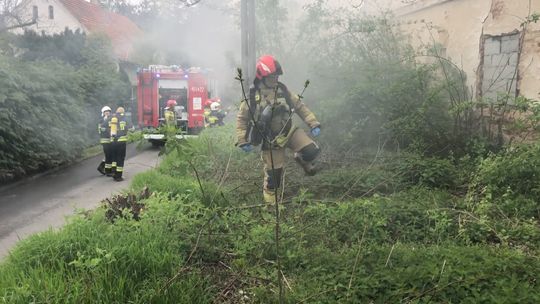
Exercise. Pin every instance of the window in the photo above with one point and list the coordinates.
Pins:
(34, 13)
(51, 12)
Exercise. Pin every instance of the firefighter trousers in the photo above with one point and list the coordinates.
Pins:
(304, 148)
(118, 156)
(108, 157)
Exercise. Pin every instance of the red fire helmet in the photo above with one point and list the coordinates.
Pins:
(171, 103)
(268, 65)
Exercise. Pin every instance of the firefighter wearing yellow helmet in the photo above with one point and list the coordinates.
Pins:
(118, 128)
(266, 118)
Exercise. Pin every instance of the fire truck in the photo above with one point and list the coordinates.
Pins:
(191, 88)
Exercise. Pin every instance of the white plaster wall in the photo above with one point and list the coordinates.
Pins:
(62, 17)
(377, 6)
(459, 25)
(456, 25)
(529, 65)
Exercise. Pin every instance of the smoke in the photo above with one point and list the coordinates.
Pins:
(205, 35)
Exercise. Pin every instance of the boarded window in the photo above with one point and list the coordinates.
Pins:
(34, 13)
(51, 12)
(499, 74)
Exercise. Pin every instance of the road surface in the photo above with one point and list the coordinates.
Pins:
(44, 202)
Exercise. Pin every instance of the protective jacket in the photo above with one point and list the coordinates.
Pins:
(170, 118)
(269, 111)
(215, 118)
(104, 131)
(118, 128)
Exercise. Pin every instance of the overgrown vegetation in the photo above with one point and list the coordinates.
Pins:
(418, 201)
(202, 236)
(52, 92)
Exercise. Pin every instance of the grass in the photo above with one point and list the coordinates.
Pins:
(213, 243)
(93, 261)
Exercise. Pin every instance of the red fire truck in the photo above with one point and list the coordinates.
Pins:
(190, 88)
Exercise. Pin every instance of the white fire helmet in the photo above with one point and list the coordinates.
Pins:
(105, 109)
(215, 106)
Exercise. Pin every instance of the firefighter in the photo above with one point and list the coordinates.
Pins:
(266, 118)
(118, 129)
(216, 115)
(105, 140)
(207, 112)
(170, 114)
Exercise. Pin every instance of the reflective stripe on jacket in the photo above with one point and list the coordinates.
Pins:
(104, 131)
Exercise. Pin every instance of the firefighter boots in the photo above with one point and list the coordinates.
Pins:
(118, 174)
(309, 167)
(101, 168)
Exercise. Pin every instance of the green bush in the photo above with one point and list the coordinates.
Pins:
(41, 117)
(514, 172)
(503, 199)
(51, 97)
(369, 87)
(429, 171)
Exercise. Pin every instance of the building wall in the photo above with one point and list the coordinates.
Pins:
(505, 17)
(483, 37)
(62, 17)
(455, 25)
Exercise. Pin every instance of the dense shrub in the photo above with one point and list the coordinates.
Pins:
(515, 171)
(370, 87)
(50, 99)
(429, 171)
(503, 196)
(41, 117)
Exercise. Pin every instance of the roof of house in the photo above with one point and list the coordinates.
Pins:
(121, 31)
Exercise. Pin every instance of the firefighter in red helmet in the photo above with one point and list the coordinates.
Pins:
(266, 118)
(170, 114)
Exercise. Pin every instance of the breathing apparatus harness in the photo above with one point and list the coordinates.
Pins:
(259, 129)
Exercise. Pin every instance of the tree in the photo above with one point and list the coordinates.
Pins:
(13, 15)
(271, 17)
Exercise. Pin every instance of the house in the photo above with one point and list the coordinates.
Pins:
(54, 16)
(491, 40)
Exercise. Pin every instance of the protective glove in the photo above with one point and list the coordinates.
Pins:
(246, 147)
(316, 131)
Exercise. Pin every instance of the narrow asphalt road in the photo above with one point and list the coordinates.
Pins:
(44, 202)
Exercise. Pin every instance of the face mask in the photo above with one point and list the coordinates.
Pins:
(270, 81)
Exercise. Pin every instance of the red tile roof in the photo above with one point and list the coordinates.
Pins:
(121, 31)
